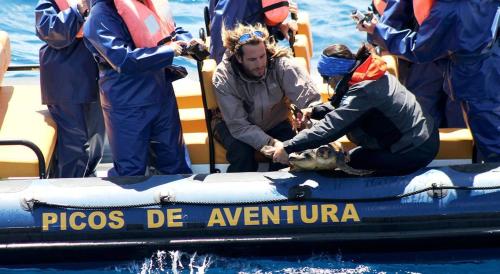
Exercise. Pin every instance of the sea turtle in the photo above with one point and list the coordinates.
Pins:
(325, 157)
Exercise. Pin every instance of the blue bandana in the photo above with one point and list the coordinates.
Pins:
(334, 66)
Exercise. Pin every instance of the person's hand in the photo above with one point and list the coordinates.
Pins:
(280, 155)
(268, 151)
(368, 27)
(303, 119)
(306, 118)
(177, 47)
(306, 113)
(290, 25)
(198, 41)
(293, 7)
(82, 6)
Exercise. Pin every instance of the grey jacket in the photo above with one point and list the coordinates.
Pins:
(251, 107)
(376, 114)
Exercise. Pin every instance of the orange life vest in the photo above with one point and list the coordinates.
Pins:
(64, 5)
(372, 68)
(148, 23)
(380, 6)
(422, 9)
(275, 11)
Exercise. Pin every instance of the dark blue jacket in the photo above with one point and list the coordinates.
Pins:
(399, 14)
(460, 30)
(68, 72)
(228, 13)
(129, 76)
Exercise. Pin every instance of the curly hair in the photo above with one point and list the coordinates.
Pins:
(231, 39)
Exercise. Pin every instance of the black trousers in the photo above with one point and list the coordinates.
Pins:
(384, 162)
(241, 156)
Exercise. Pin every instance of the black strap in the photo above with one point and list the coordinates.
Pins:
(343, 86)
(165, 40)
(340, 90)
(276, 5)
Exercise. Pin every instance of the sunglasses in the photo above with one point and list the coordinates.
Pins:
(247, 36)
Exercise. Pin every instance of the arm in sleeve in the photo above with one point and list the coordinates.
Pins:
(297, 84)
(319, 111)
(336, 123)
(57, 29)
(424, 45)
(106, 33)
(398, 14)
(182, 35)
(218, 20)
(236, 118)
(225, 14)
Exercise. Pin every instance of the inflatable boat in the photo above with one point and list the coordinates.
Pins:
(98, 218)
(58, 220)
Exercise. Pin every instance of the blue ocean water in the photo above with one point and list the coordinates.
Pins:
(331, 24)
(177, 262)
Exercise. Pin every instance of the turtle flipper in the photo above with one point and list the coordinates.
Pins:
(342, 160)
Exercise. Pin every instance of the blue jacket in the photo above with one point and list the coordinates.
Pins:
(129, 76)
(228, 13)
(460, 30)
(399, 15)
(68, 72)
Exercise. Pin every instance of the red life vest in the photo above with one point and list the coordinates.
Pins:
(148, 23)
(64, 5)
(380, 6)
(275, 11)
(422, 9)
(372, 68)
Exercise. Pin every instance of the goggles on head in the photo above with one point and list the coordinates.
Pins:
(247, 36)
(334, 66)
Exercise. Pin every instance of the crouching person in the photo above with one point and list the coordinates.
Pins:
(378, 114)
(252, 85)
